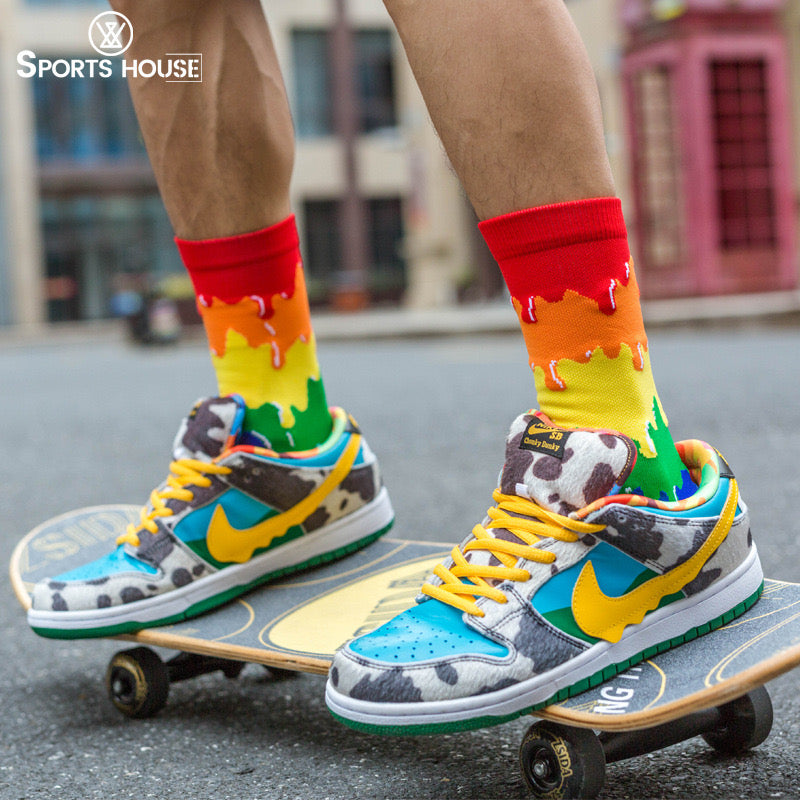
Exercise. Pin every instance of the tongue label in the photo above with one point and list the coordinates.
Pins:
(541, 439)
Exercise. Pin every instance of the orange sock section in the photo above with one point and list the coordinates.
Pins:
(570, 273)
(252, 297)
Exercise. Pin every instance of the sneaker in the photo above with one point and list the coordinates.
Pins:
(567, 582)
(228, 517)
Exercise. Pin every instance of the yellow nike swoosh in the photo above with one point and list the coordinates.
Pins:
(606, 617)
(229, 544)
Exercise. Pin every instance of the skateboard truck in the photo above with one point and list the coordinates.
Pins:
(138, 681)
(298, 624)
(561, 761)
(557, 760)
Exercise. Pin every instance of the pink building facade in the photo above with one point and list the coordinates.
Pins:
(707, 95)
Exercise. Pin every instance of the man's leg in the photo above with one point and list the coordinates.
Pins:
(238, 508)
(512, 94)
(223, 151)
(599, 548)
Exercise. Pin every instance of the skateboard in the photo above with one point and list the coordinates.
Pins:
(712, 686)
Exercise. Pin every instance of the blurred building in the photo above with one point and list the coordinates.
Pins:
(709, 188)
(82, 223)
(709, 108)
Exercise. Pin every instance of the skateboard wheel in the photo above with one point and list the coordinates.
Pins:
(137, 681)
(278, 674)
(746, 723)
(233, 669)
(559, 762)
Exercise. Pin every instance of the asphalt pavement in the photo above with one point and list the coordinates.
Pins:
(91, 420)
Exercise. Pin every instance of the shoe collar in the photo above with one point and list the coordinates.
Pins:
(706, 466)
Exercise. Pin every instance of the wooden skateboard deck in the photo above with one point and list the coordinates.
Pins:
(298, 622)
(712, 686)
(714, 669)
(295, 623)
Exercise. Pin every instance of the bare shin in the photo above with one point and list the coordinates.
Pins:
(222, 150)
(513, 97)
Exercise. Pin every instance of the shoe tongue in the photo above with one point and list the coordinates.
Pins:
(206, 432)
(564, 470)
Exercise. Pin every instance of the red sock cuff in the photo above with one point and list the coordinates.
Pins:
(549, 227)
(542, 252)
(261, 263)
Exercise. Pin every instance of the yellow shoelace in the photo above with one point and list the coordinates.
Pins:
(184, 472)
(547, 524)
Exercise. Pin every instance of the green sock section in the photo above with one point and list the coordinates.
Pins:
(664, 477)
(311, 427)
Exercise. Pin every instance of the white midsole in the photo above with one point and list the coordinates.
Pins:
(371, 518)
(660, 626)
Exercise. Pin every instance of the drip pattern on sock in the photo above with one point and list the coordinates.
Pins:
(577, 300)
(256, 315)
(271, 361)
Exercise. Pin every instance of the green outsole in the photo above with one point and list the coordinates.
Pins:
(571, 691)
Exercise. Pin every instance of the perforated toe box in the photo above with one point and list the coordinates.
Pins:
(430, 630)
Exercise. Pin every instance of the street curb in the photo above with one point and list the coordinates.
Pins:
(485, 318)
(498, 317)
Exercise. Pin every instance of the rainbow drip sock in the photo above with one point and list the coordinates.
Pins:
(252, 298)
(569, 270)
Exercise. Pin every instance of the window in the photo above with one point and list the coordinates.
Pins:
(743, 158)
(375, 80)
(385, 229)
(322, 254)
(313, 110)
(658, 168)
(322, 250)
(84, 119)
(314, 90)
(97, 247)
(104, 233)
